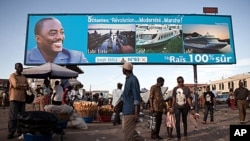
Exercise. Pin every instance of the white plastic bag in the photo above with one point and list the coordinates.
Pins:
(77, 121)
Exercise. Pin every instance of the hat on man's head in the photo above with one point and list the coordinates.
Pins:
(127, 66)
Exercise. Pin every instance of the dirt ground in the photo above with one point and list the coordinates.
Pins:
(105, 131)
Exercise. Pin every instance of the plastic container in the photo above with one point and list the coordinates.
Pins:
(31, 137)
(105, 118)
(88, 119)
(62, 124)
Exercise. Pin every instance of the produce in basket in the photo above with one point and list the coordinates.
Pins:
(105, 110)
(85, 108)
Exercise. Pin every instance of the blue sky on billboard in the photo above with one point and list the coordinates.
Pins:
(102, 77)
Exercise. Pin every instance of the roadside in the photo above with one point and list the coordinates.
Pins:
(105, 131)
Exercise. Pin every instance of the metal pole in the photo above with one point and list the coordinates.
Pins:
(196, 96)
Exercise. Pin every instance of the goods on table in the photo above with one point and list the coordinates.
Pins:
(85, 108)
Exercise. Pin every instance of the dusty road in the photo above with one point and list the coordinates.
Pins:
(100, 131)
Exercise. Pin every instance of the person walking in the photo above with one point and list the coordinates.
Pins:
(116, 93)
(46, 96)
(241, 94)
(131, 102)
(157, 105)
(231, 99)
(17, 90)
(4, 98)
(209, 104)
(169, 118)
(57, 96)
(181, 104)
(215, 95)
(65, 97)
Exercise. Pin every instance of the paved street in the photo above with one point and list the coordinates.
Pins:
(99, 131)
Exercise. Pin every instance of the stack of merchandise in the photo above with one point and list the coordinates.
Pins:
(86, 109)
(105, 113)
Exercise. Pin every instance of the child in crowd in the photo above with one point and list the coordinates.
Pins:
(231, 99)
(169, 118)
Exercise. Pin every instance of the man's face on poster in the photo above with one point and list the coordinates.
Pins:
(51, 37)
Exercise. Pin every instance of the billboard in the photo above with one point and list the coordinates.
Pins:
(109, 39)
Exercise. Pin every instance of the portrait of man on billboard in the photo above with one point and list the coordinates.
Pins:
(49, 37)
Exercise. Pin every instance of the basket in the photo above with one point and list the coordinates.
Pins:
(86, 113)
(62, 116)
(105, 110)
(86, 108)
(62, 119)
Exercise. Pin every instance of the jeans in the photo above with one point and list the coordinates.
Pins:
(178, 112)
(155, 133)
(117, 119)
(210, 109)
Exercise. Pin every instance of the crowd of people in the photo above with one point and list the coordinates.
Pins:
(45, 94)
(128, 101)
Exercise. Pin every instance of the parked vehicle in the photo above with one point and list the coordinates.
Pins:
(222, 99)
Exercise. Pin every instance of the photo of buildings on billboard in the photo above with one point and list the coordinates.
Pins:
(110, 39)
(201, 38)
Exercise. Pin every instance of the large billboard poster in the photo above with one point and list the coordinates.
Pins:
(108, 39)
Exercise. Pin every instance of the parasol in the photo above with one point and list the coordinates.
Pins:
(74, 82)
(49, 70)
(146, 93)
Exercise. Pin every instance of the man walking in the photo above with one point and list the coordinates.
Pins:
(131, 102)
(241, 94)
(209, 103)
(116, 93)
(156, 106)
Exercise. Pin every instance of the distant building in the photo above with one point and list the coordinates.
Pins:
(224, 84)
(192, 87)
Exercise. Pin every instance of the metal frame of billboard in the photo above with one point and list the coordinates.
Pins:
(173, 39)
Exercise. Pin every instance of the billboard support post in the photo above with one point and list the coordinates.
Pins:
(196, 96)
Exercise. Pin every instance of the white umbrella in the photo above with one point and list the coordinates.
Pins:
(145, 94)
(49, 70)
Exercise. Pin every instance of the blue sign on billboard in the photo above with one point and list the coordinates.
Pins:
(108, 39)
